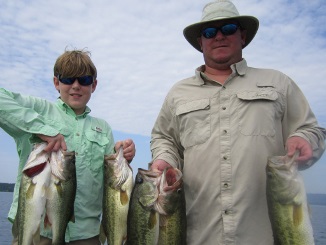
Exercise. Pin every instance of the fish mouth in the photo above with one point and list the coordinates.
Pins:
(33, 171)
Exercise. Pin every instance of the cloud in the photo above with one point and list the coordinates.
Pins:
(140, 52)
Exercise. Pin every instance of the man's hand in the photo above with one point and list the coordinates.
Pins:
(129, 149)
(159, 165)
(297, 143)
(55, 143)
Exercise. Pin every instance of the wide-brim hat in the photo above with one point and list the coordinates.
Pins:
(221, 10)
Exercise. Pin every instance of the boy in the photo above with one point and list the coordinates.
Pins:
(66, 124)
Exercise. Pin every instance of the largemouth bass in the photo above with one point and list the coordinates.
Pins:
(171, 206)
(61, 195)
(143, 220)
(118, 184)
(287, 203)
(32, 196)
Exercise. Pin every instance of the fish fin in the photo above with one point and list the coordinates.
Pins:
(297, 215)
(124, 199)
(152, 221)
(124, 240)
(47, 223)
(30, 191)
(163, 220)
(59, 188)
(36, 237)
(44, 191)
(102, 235)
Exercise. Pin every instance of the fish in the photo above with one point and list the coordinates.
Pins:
(288, 208)
(61, 194)
(171, 206)
(118, 185)
(32, 196)
(143, 219)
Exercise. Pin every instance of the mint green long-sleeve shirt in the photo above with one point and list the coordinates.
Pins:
(22, 117)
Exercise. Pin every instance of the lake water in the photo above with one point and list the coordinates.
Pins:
(318, 220)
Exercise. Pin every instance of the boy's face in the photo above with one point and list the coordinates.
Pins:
(75, 95)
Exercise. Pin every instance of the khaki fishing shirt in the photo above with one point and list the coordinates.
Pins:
(220, 137)
(91, 138)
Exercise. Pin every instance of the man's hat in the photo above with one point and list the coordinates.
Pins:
(221, 10)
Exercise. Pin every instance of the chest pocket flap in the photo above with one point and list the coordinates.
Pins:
(96, 135)
(192, 106)
(258, 95)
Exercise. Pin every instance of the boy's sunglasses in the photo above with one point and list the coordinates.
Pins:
(84, 81)
(226, 30)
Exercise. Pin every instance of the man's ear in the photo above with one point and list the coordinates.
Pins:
(243, 37)
(200, 44)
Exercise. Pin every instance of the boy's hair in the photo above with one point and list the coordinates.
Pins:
(75, 63)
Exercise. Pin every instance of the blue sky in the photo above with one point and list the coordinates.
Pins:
(140, 52)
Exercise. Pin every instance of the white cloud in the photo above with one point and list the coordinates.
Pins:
(140, 52)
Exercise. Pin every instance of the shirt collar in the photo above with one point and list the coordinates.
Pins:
(69, 110)
(238, 69)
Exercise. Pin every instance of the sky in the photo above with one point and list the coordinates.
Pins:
(140, 52)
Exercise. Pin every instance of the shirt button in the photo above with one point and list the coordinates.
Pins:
(226, 211)
(225, 157)
(225, 131)
(223, 108)
(226, 185)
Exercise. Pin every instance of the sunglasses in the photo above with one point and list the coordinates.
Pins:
(226, 30)
(84, 81)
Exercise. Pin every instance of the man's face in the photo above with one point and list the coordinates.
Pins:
(222, 50)
(75, 95)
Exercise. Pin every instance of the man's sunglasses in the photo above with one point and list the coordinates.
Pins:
(84, 81)
(226, 30)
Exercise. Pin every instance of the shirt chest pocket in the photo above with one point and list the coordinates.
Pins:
(257, 112)
(96, 146)
(194, 121)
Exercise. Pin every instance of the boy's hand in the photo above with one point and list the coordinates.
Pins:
(129, 149)
(55, 143)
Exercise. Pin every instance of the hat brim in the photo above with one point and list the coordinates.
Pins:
(249, 23)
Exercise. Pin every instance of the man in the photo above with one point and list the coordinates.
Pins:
(67, 125)
(220, 126)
